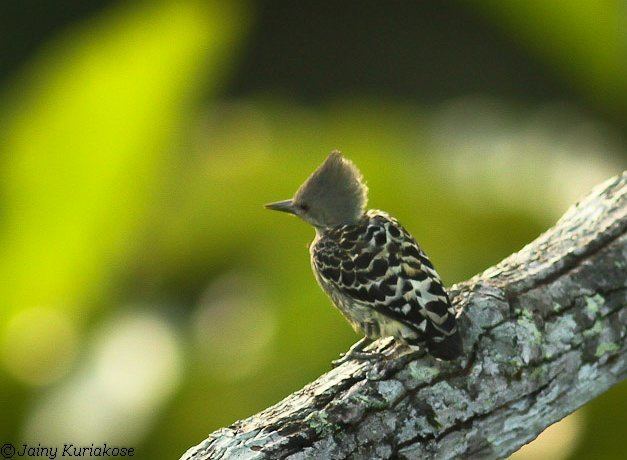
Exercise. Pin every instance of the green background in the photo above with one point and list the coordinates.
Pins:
(149, 299)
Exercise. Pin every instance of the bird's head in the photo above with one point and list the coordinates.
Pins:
(334, 194)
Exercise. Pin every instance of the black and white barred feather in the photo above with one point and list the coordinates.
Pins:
(384, 284)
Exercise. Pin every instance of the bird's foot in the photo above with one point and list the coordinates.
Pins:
(357, 356)
(356, 353)
(407, 354)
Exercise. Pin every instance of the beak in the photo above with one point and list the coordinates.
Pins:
(283, 206)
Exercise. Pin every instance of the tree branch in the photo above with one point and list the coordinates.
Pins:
(544, 333)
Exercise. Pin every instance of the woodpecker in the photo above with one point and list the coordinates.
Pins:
(370, 266)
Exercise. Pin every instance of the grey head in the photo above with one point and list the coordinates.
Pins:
(334, 194)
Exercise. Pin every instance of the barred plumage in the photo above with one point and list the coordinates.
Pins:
(370, 266)
(384, 284)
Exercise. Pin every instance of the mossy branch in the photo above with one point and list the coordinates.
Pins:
(544, 333)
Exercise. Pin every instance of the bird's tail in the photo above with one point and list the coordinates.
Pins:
(446, 347)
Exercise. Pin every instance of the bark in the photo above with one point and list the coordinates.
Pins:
(544, 333)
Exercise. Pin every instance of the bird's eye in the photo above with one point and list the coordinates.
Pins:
(304, 207)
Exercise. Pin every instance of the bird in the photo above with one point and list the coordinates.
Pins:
(370, 267)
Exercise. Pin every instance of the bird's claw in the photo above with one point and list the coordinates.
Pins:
(356, 356)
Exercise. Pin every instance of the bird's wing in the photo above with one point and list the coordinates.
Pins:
(383, 267)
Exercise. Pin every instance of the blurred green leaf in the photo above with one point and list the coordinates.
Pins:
(89, 130)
